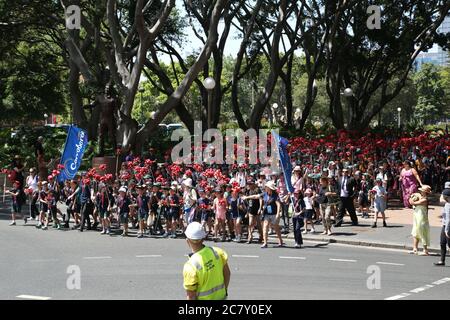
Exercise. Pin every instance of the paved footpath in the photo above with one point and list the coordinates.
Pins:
(397, 235)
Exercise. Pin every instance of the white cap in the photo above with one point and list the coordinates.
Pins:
(195, 231)
(297, 168)
(188, 182)
(447, 185)
(122, 189)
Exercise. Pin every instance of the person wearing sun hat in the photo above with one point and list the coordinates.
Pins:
(253, 206)
(123, 208)
(270, 208)
(421, 227)
(189, 200)
(143, 209)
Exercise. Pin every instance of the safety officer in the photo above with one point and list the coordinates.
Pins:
(206, 274)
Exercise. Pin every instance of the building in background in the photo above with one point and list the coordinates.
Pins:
(436, 55)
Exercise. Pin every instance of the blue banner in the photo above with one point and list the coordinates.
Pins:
(285, 160)
(73, 153)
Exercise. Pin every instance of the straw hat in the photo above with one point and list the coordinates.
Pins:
(271, 185)
(425, 188)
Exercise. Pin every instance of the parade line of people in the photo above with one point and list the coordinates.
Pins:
(233, 202)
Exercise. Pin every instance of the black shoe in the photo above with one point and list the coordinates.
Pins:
(25, 220)
(338, 224)
(81, 230)
(374, 225)
(384, 224)
(355, 224)
(439, 264)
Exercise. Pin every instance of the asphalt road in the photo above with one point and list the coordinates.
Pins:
(34, 265)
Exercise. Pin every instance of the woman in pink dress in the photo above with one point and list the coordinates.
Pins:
(410, 181)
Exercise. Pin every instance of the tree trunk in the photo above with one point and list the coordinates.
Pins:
(174, 99)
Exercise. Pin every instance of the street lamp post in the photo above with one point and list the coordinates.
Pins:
(274, 113)
(209, 85)
(348, 92)
(399, 110)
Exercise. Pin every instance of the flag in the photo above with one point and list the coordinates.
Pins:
(73, 153)
(285, 161)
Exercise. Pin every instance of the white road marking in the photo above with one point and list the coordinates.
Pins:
(149, 256)
(95, 258)
(442, 281)
(243, 256)
(44, 260)
(342, 260)
(403, 295)
(390, 263)
(298, 258)
(26, 296)
(420, 289)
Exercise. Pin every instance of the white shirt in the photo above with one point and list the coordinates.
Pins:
(32, 182)
(189, 198)
(380, 191)
(308, 203)
(344, 192)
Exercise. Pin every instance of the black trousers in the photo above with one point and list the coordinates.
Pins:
(444, 243)
(298, 224)
(33, 207)
(285, 216)
(86, 210)
(346, 204)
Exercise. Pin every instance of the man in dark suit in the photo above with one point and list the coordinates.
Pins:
(346, 186)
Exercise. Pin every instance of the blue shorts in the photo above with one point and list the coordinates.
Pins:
(309, 214)
(142, 215)
(206, 215)
(104, 214)
(124, 217)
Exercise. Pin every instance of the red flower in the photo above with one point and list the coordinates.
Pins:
(102, 167)
(60, 166)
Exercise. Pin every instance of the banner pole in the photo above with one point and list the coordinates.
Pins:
(4, 189)
(62, 155)
(291, 197)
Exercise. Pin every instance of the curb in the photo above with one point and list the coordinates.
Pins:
(361, 243)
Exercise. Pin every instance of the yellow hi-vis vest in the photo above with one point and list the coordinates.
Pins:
(209, 270)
